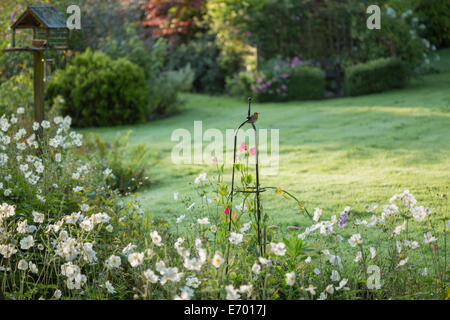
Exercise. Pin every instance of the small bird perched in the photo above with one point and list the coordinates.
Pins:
(252, 118)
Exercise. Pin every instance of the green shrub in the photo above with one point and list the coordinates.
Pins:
(17, 91)
(306, 83)
(436, 16)
(203, 56)
(240, 85)
(401, 35)
(149, 56)
(182, 79)
(314, 29)
(374, 76)
(128, 163)
(164, 98)
(289, 79)
(99, 91)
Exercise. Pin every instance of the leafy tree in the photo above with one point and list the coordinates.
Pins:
(172, 17)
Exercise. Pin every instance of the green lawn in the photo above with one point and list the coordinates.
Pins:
(333, 153)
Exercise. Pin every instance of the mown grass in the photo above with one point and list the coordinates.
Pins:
(333, 153)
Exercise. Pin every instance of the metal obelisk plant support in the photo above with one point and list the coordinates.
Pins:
(251, 119)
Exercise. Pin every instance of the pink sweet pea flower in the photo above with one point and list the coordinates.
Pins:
(226, 211)
(243, 147)
(253, 151)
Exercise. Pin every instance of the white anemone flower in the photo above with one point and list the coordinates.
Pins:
(335, 276)
(420, 213)
(27, 243)
(22, 265)
(151, 276)
(355, 240)
(342, 284)
(38, 217)
(217, 260)
(232, 293)
(235, 238)
(429, 238)
(290, 278)
(136, 259)
(278, 249)
(156, 238)
(311, 289)
(180, 218)
(256, 268)
(317, 214)
(113, 262)
(373, 252)
(203, 221)
(110, 287)
(402, 262)
(193, 282)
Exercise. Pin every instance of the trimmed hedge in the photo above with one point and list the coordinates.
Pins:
(100, 91)
(374, 76)
(306, 83)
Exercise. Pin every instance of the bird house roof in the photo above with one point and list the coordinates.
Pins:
(40, 17)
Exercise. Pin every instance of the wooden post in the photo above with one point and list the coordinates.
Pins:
(13, 40)
(38, 86)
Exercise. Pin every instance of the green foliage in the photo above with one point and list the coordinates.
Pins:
(99, 91)
(306, 83)
(128, 163)
(241, 84)
(322, 29)
(17, 91)
(104, 23)
(203, 56)
(182, 79)
(164, 98)
(147, 55)
(290, 79)
(286, 28)
(172, 19)
(401, 36)
(375, 76)
(436, 16)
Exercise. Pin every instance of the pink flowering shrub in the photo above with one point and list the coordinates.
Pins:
(290, 79)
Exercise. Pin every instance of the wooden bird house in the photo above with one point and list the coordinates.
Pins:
(49, 29)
